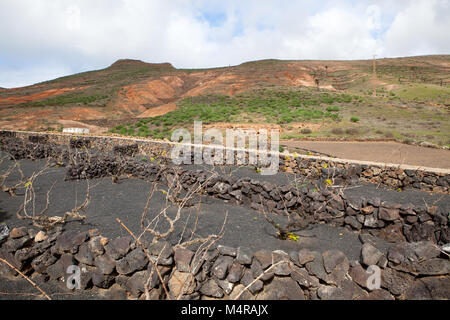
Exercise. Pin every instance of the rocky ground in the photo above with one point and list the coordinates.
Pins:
(332, 250)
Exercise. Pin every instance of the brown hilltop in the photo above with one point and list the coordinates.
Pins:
(138, 63)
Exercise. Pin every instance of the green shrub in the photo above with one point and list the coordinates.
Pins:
(332, 108)
(352, 131)
(354, 119)
(306, 131)
(337, 131)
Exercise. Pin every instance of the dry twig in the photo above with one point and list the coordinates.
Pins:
(26, 278)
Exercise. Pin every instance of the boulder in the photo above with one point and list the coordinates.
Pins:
(303, 278)
(101, 280)
(257, 271)
(181, 283)
(429, 288)
(133, 261)
(359, 275)
(388, 214)
(379, 294)
(85, 255)
(246, 294)
(370, 255)
(96, 244)
(226, 286)
(163, 249)
(18, 232)
(264, 257)
(336, 265)
(115, 292)
(284, 288)
(347, 291)
(41, 263)
(105, 264)
(244, 256)
(227, 251)
(59, 269)
(69, 241)
(353, 222)
(211, 289)
(118, 248)
(221, 266)
(396, 282)
(12, 245)
(183, 258)
(40, 236)
(316, 267)
(284, 268)
(235, 273)
(248, 279)
(305, 256)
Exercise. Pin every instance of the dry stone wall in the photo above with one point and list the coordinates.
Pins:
(338, 171)
(121, 268)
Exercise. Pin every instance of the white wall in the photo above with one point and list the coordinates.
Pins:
(76, 130)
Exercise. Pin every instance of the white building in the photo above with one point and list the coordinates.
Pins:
(76, 130)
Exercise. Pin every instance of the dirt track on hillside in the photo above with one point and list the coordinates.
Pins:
(386, 152)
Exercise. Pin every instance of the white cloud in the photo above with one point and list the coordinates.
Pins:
(422, 28)
(11, 77)
(68, 36)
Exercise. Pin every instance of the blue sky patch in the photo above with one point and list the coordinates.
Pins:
(214, 19)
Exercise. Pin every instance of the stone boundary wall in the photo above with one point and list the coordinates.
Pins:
(339, 171)
(119, 268)
(321, 204)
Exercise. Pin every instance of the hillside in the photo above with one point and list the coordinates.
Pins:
(408, 100)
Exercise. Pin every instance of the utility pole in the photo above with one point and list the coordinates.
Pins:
(375, 66)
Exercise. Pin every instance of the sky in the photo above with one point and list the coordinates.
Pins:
(45, 39)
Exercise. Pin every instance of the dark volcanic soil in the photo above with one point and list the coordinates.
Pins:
(126, 200)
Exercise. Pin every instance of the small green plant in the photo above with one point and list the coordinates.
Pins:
(354, 119)
(281, 148)
(337, 131)
(332, 108)
(292, 237)
(306, 131)
(352, 131)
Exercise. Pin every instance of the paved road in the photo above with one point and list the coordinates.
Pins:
(386, 152)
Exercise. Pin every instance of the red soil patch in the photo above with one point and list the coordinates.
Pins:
(83, 114)
(211, 81)
(34, 115)
(153, 112)
(133, 98)
(36, 96)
